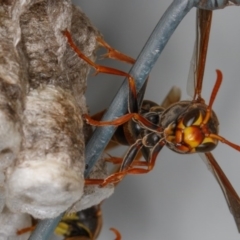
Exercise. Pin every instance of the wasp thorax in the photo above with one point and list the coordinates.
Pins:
(189, 133)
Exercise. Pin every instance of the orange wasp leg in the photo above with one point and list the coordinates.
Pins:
(123, 119)
(117, 177)
(25, 230)
(107, 70)
(113, 53)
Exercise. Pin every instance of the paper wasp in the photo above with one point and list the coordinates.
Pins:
(185, 127)
(85, 224)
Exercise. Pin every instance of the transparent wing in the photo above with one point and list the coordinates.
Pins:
(192, 76)
(173, 96)
(197, 64)
(191, 83)
(229, 192)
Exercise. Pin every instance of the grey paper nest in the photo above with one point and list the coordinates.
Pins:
(42, 85)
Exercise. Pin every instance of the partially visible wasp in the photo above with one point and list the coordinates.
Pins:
(184, 127)
(82, 225)
(85, 224)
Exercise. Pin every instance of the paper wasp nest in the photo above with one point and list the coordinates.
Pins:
(11, 223)
(42, 82)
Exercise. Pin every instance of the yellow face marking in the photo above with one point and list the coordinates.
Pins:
(193, 136)
(209, 140)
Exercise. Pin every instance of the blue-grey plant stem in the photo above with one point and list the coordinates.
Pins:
(140, 70)
(45, 228)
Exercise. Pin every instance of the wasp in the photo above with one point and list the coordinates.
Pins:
(184, 127)
(85, 224)
(82, 225)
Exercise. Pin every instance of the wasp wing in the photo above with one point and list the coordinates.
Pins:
(173, 96)
(229, 192)
(191, 82)
(197, 65)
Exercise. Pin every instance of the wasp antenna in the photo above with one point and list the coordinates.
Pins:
(117, 233)
(213, 95)
(223, 140)
(216, 87)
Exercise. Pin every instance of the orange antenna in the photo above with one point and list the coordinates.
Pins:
(213, 96)
(223, 140)
(209, 110)
(117, 233)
